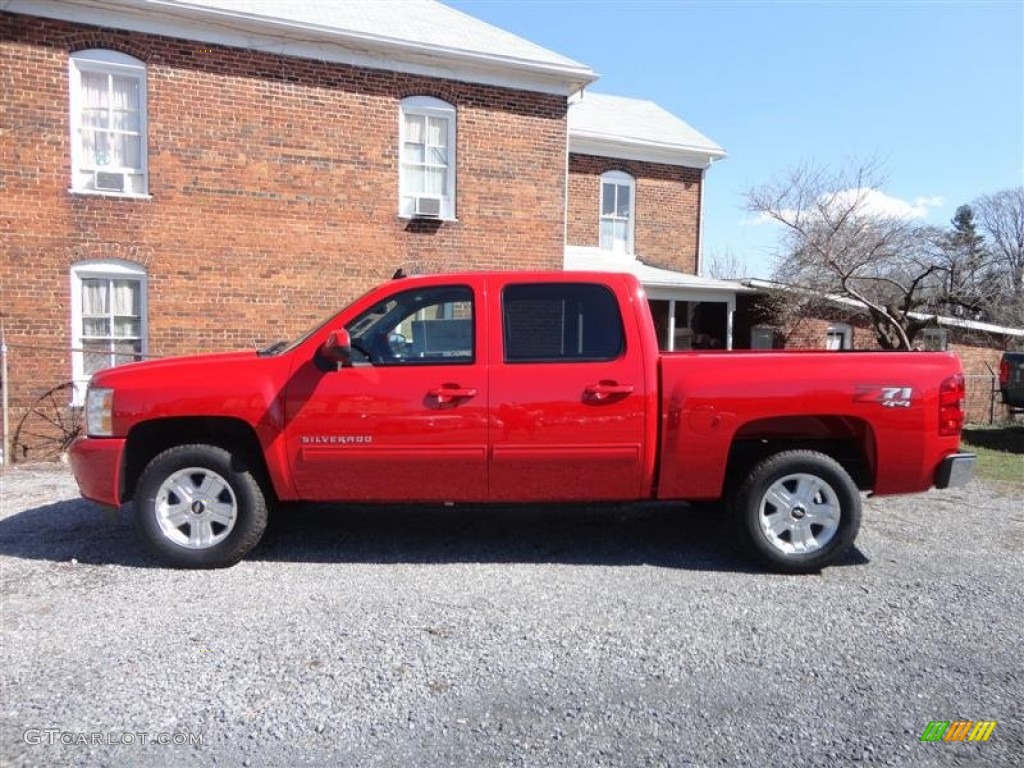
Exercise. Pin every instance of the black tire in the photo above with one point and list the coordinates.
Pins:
(202, 486)
(808, 530)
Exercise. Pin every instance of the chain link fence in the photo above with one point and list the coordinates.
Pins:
(984, 403)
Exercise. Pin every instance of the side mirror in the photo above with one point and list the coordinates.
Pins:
(338, 347)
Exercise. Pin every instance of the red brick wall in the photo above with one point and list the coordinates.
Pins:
(981, 372)
(812, 333)
(274, 186)
(667, 209)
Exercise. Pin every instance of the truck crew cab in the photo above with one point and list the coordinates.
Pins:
(516, 387)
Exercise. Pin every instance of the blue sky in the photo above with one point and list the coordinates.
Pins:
(933, 90)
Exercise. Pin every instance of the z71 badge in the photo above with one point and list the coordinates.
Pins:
(887, 397)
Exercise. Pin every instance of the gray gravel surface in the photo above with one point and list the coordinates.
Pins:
(552, 636)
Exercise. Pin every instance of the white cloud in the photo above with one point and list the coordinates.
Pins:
(870, 202)
(930, 202)
(874, 202)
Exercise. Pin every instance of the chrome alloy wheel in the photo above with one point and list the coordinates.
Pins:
(799, 514)
(196, 508)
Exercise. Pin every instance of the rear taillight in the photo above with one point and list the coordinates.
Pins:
(951, 405)
(1004, 374)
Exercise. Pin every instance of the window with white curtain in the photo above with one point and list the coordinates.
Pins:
(427, 157)
(108, 318)
(618, 192)
(108, 123)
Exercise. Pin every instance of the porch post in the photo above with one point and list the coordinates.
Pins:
(671, 340)
(730, 311)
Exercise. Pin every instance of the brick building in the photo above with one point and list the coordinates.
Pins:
(212, 174)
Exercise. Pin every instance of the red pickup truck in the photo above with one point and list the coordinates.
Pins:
(516, 387)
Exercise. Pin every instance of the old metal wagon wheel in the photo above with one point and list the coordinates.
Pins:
(48, 428)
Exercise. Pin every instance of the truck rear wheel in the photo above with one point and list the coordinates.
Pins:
(799, 511)
(199, 506)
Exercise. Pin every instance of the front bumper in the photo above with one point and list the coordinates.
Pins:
(955, 470)
(97, 464)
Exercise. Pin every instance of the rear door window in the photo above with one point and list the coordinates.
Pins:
(561, 322)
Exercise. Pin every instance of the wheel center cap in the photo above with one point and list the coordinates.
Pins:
(799, 513)
(198, 507)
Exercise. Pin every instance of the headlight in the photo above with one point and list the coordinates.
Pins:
(99, 408)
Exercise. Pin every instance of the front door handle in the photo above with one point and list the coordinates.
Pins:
(604, 390)
(449, 394)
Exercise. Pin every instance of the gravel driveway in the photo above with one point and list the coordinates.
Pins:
(552, 636)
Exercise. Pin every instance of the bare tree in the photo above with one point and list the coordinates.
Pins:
(724, 265)
(1001, 219)
(843, 238)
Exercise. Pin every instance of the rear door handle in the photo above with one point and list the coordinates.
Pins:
(604, 390)
(447, 394)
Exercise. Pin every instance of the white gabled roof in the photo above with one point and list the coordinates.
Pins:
(417, 36)
(636, 129)
(422, 22)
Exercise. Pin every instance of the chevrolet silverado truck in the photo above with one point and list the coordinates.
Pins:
(516, 387)
(1011, 380)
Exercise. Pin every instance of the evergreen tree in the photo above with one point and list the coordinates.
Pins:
(966, 265)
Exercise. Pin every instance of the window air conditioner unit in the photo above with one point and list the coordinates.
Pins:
(110, 182)
(424, 207)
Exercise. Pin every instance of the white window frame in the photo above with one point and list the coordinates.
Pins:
(83, 169)
(426, 106)
(762, 337)
(101, 270)
(842, 332)
(619, 179)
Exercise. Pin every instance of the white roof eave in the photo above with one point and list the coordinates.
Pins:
(950, 322)
(304, 40)
(625, 148)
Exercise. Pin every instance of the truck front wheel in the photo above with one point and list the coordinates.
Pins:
(199, 506)
(799, 511)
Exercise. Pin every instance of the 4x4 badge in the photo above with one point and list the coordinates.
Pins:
(887, 397)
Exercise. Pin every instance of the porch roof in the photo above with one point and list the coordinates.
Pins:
(665, 284)
(942, 320)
